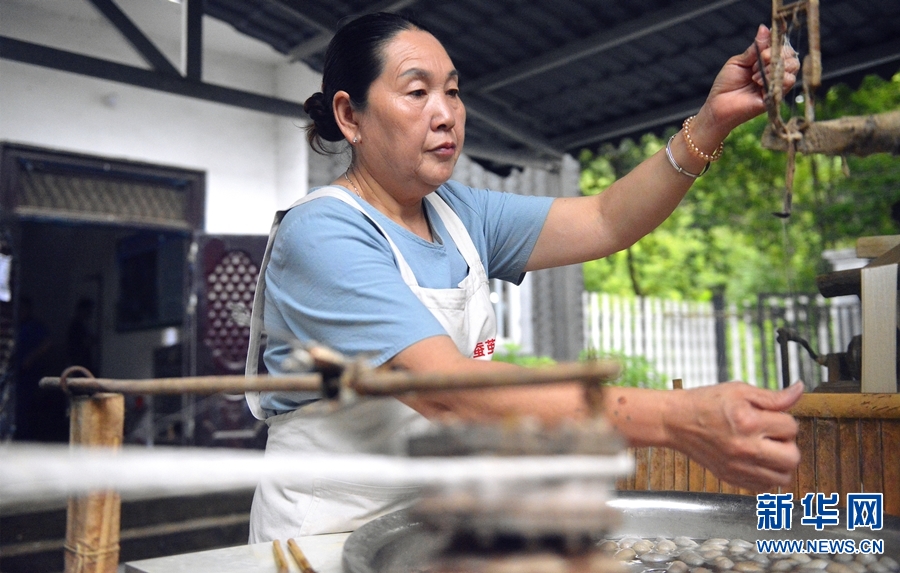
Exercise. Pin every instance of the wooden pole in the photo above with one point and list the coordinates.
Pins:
(92, 522)
(388, 383)
(189, 385)
(363, 380)
(852, 135)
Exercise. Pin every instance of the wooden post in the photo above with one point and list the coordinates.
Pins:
(92, 522)
(879, 323)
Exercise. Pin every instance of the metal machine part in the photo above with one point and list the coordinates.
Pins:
(562, 515)
(844, 368)
(524, 437)
(399, 543)
(489, 525)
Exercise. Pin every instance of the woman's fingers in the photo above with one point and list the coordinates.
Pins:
(779, 401)
(778, 426)
(758, 463)
(773, 463)
(782, 456)
(757, 477)
(789, 58)
(776, 463)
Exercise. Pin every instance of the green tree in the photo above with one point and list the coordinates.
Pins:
(724, 234)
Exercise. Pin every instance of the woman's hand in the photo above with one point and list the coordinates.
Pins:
(740, 432)
(738, 92)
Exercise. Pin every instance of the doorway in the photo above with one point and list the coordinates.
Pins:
(99, 276)
(107, 298)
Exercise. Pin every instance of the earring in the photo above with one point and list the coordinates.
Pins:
(355, 140)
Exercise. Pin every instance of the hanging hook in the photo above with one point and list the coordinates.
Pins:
(64, 377)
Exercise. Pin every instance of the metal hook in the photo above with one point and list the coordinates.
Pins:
(64, 377)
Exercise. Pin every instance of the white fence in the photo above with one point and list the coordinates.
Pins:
(679, 338)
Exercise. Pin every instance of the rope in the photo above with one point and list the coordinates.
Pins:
(85, 555)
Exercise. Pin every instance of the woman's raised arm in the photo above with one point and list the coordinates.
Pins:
(581, 229)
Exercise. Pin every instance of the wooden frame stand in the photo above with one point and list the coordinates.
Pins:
(92, 521)
(878, 294)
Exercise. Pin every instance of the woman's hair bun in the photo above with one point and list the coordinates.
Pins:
(315, 107)
(324, 125)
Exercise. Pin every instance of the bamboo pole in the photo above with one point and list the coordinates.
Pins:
(376, 383)
(188, 385)
(362, 380)
(92, 521)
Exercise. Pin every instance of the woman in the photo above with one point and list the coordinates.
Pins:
(392, 262)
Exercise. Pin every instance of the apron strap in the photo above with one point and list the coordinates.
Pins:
(451, 221)
(342, 195)
(458, 233)
(251, 368)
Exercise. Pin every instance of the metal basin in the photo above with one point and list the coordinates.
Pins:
(395, 543)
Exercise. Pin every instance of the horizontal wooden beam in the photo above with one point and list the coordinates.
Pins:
(848, 405)
(38, 55)
(853, 135)
(874, 247)
(361, 379)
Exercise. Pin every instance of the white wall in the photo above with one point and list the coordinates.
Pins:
(254, 162)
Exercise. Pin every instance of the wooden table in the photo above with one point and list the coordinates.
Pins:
(323, 552)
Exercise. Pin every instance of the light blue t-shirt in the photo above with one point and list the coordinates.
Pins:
(333, 277)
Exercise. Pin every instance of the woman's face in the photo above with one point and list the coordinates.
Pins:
(412, 130)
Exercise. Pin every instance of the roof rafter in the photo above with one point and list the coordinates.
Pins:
(35, 54)
(861, 60)
(192, 39)
(146, 48)
(507, 157)
(675, 114)
(311, 46)
(314, 22)
(490, 115)
(833, 71)
(648, 25)
(320, 41)
(671, 114)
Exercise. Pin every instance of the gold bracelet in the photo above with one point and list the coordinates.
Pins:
(693, 147)
(679, 168)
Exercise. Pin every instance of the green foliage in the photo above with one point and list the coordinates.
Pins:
(512, 353)
(637, 371)
(724, 236)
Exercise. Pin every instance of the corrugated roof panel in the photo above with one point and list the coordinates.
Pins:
(550, 77)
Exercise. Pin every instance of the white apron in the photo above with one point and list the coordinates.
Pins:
(378, 425)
